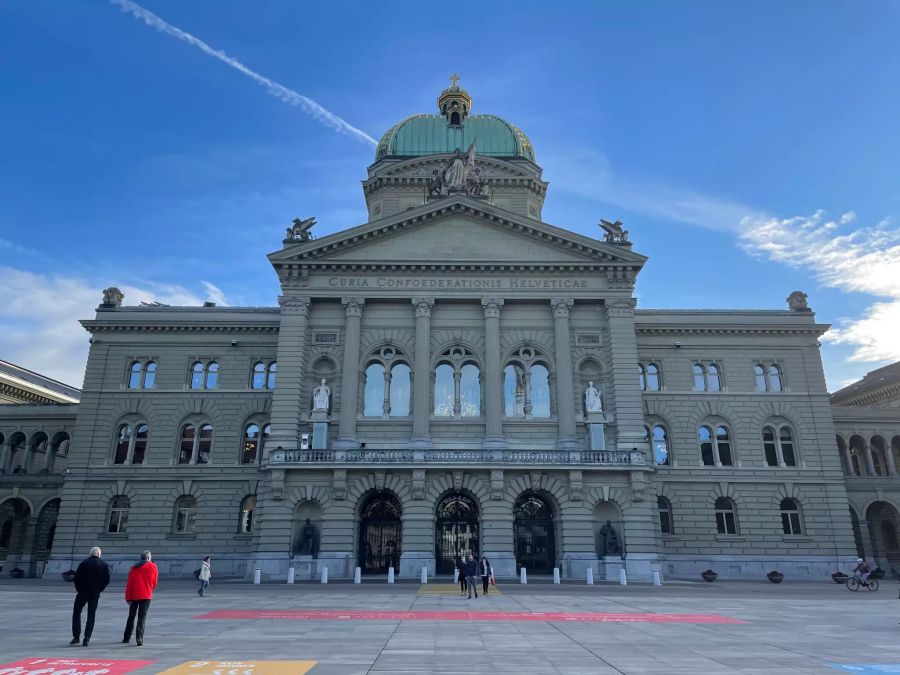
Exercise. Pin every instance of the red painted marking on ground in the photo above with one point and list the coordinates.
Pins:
(50, 666)
(390, 615)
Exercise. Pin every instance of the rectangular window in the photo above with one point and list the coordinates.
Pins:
(725, 522)
(184, 519)
(706, 450)
(771, 454)
(790, 522)
(665, 522)
(118, 521)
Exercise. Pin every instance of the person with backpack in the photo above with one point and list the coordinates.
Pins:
(142, 580)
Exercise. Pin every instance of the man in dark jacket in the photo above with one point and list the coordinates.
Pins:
(91, 579)
(471, 575)
(138, 593)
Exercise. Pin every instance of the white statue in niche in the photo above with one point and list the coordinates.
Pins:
(592, 402)
(321, 395)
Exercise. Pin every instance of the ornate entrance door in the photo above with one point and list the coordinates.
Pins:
(534, 535)
(380, 533)
(455, 532)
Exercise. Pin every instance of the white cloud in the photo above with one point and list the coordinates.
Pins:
(864, 260)
(281, 92)
(39, 316)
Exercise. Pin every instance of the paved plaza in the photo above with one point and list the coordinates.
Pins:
(344, 629)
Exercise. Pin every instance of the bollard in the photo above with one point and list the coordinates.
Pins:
(656, 579)
(590, 576)
(390, 575)
(324, 575)
(357, 576)
(291, 574)
(424, 575)
(257, 575)
(523, 576)
(455, 576)
(622, 578)
(555, 575)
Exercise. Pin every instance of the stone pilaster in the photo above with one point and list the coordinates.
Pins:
(493, 405)
(889, 459)
(350, 374)
(565, 404)
(286, 404)
(421, 404)
(626, 394)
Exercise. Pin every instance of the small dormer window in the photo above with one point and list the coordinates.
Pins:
(455, 118)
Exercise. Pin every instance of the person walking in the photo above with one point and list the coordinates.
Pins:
(91, 579)
(205, 574)
(486, 573)
(471, 574)
(142, 580)
(461, 573)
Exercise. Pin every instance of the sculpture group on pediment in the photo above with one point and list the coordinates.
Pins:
(797, 302)
(460, 175)
(112, 297)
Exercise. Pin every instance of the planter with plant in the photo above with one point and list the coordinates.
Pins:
(709, 575)
(839, 577)
(775, 577)
(69, 575)
(17, 573)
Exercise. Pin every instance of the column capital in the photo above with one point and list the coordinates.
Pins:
(293, 305)
(561, 307)
(353, 306)
(621, 307)
(491, 307)
(423, 306)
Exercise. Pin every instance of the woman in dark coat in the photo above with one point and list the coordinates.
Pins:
(461, 569)
(486, 573)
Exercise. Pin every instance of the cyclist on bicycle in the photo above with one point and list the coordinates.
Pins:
(861, 572)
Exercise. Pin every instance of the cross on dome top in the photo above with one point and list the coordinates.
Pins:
(454, 102)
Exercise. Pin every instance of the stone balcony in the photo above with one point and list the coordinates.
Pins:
(458, 458)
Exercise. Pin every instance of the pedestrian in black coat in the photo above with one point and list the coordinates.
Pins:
(471, 576)
(91, 579)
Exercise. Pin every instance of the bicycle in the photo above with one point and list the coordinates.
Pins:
(855, 584)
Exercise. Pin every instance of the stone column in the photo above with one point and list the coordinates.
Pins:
(848, 460)
(626, 394)
(493, 406)
(5, 453)
(565, 404)
(421, 404)
(350, 374)
(889, 460)
(291, 358)
(870, 463)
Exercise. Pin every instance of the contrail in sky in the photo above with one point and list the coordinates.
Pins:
(310, 107)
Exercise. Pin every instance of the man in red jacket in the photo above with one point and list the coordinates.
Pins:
(138, 594)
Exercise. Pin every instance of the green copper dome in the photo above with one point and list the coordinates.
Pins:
(454, 129)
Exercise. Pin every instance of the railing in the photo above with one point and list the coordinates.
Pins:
(458, 456)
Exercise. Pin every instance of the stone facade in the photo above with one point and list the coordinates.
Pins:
(457, 334)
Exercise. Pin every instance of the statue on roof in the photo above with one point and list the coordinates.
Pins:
(797, 302)
(300, 229)
(614, 231)
(112, 297)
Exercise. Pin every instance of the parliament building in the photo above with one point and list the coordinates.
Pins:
(454, 375)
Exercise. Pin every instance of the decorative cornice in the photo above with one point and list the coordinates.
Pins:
(623, 307)
(294, 305)
(729, 330)
(94, 326)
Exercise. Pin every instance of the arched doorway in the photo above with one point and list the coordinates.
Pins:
(883, 520)
(456, 531)
(44, 534)
(380, 533)
(14, 515)
(535, 535)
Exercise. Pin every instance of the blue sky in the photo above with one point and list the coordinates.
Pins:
(751, 149)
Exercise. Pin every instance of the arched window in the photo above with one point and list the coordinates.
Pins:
(660, 441)
(258, 376)
(664, 509)
(198, 372)
(699, 377)
(387, 386)
(526, 385)
(185, 515)
(262, 375)
(457, 384)
(653, 377)
(723, 445)
(790, 517)
(726, 523)
(149, 375)
(119, 507)
(399, 385)
(713, 378)
(254, 439)
(131, 443)
(195, 444)
(248, 506)
(212, 375)
(775, 378)
(38, 457)
(706, 446)
(134, 375)
(759, 374)
(786, 446)
(642, 377)
(770, 446)
(858, 455)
